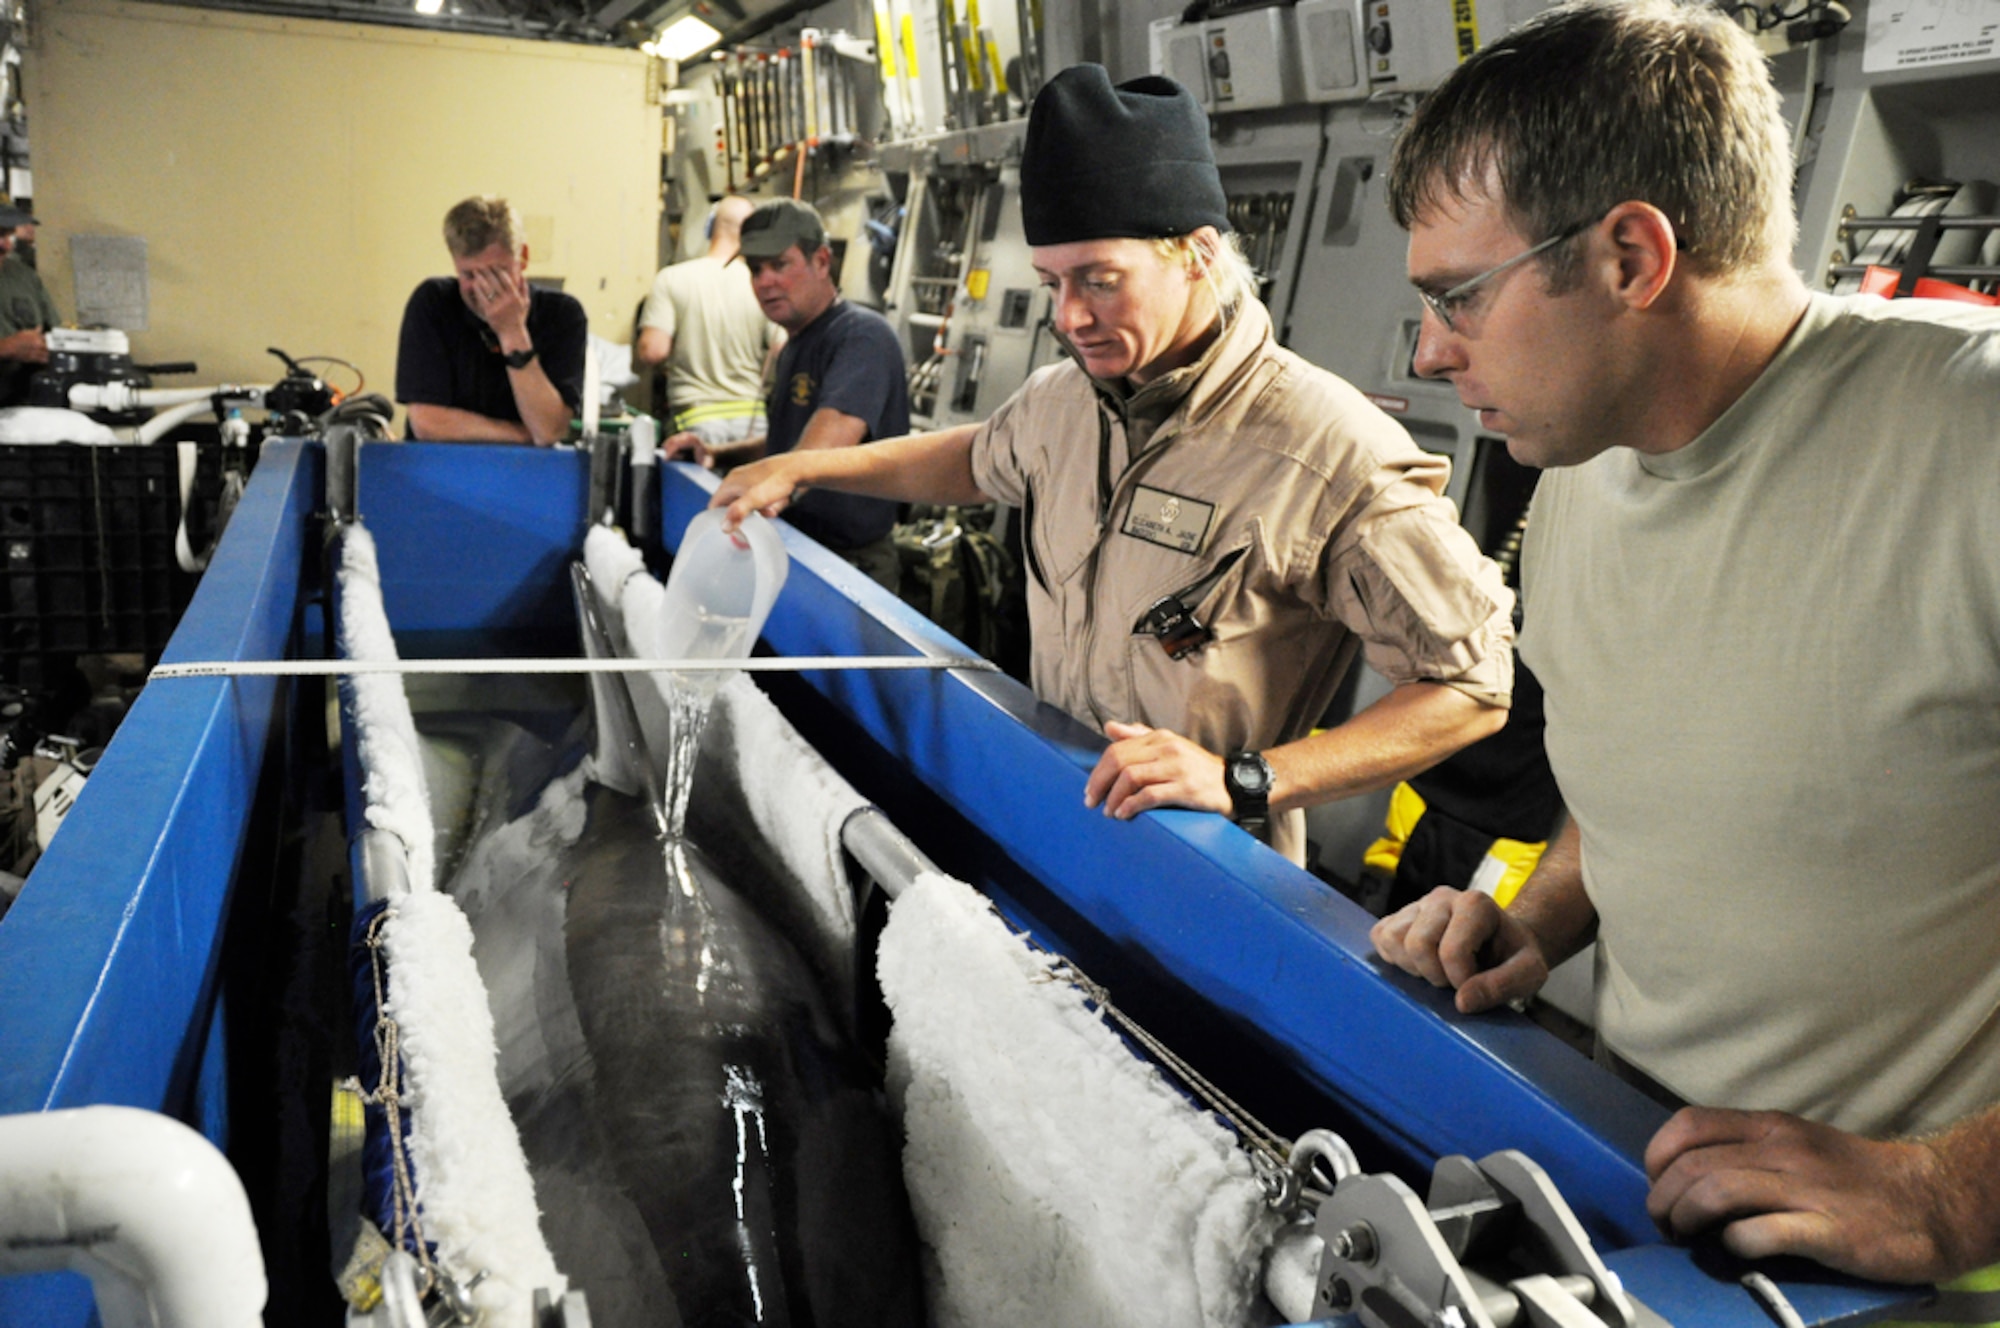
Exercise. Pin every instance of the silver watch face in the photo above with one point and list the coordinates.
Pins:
(1249, 773)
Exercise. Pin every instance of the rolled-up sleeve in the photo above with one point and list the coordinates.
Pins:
(996, 465)
(1429, 607)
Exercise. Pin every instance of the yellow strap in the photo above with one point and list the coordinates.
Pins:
(1520, 859)
(1980, 1284)
(1406, 808)
(717, 410)
(1980, 1279)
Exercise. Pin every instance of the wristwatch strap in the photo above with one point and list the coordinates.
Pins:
(519, 359)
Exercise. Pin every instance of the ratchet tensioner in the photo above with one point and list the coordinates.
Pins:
(1494, 1246)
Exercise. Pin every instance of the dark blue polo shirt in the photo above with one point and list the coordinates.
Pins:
(449, 357)
(849, 359)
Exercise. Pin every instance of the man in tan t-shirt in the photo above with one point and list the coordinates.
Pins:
(1760, 594)
(703, 322)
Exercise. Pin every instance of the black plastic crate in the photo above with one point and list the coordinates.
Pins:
(87, 555)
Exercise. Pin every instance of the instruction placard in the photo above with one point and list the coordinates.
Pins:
(110, 280)
(1916, 34)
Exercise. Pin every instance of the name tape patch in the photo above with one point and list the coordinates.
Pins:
(1168, 519)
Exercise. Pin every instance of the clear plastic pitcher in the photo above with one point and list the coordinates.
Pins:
(721, 588)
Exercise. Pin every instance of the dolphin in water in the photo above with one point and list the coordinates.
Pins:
(708, 1148)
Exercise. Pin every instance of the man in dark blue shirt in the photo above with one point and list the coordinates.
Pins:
(839, 380)
(484, 357)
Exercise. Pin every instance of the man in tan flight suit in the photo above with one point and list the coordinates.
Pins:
(1213, 526)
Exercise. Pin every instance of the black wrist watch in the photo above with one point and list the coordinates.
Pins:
(519, 359)
(1247, 776)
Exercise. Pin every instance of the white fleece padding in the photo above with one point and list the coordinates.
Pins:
(610, 559)
(472, 1177)
(51, 424)
(471, 1174)
(392, 763)
(1056, 1178)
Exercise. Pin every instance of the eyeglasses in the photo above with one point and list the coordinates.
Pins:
(1448, 304)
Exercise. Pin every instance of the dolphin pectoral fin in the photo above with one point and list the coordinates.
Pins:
(622, 759)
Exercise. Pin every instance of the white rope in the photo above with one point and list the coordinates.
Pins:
(327, 668)
(406, 1221)
(1261, 1141)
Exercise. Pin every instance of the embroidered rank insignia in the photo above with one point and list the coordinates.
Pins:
(1168, 519)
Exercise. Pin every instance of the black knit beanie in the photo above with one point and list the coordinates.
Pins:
(1103, 162)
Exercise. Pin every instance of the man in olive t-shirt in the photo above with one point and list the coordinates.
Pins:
(26, 314)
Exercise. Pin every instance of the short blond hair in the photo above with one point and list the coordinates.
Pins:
(1222, 264)
(480, 222)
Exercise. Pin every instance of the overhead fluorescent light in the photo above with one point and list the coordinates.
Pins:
(686, 37)
(430, 6)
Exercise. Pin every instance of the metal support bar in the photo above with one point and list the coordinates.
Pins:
(1949, 272)
(343, 446)
(607, 468)
(883, 851)
(1031, 52)
(1912, 223)
(335, 668)
(384, 863)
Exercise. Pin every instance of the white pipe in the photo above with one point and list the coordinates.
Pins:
(124, 396)
(645, 441)
(883, 851)
(140, 1204)
(158, 426)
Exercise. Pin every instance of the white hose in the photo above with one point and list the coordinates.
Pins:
(159, 426)
(140, 1204)
(188, 459)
